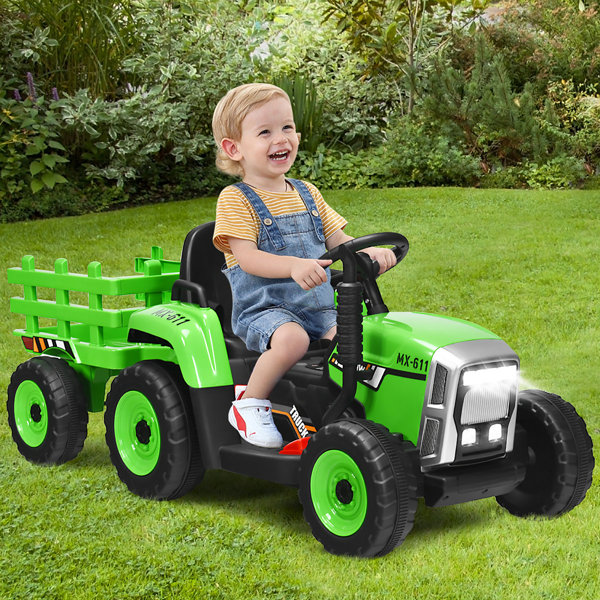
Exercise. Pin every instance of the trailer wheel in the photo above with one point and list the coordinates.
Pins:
(150, 431)
(358, 488)
(47, 411)
(561, 461)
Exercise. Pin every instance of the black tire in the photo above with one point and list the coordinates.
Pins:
(561, 461)
(358, 487)
(47, 411)
(150, 431)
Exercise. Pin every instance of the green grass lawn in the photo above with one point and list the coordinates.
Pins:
(524, 264)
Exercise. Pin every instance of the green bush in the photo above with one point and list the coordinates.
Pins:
(558, 173)
(32, 156)
(75, 45)
(548, 40)
(138, 81)
(65, 200)
(504, 177)
(477, 107)
(412, 155)
(133, 137)
(592, 183)
(574, 114)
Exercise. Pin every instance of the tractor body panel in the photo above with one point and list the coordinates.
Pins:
(398, 348)
(196, 336)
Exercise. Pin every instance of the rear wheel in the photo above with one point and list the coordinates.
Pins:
(47, 411)
(150, 431)
(358, 488)
(561, 461)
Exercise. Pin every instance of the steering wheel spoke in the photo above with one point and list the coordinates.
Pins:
(356, 262)
(397, 240)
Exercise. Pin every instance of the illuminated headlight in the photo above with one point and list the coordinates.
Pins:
(487, 393)
(469, 436)
(491, 376)
(495, 432)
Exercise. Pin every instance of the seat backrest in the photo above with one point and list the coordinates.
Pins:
(201, 264)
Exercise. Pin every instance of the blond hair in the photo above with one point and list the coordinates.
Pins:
(231, 111)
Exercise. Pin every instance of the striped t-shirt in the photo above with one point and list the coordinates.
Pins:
(236, 217)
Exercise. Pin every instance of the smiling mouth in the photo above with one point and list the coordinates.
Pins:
(279, 156)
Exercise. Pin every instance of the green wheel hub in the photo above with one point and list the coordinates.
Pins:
(137, 433)
(338, 492)
(31, 413)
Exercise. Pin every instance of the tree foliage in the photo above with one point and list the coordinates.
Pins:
(549, 40)
(109, 101)
(400, 36)
(494, 121)
(72, 44)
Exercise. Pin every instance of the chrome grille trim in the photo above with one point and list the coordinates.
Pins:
(485, 403)
(439, 385)
(430, 436)
(454, 358)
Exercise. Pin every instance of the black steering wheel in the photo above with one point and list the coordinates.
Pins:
(397, 240)
(356, 262)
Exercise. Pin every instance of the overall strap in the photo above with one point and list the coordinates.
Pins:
(264, 216)
(311, 207)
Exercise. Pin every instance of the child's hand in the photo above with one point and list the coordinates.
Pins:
(309, 273)
(384, 256)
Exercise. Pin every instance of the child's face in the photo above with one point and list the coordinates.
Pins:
(269, 142)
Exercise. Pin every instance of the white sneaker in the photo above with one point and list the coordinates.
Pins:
(253, 420)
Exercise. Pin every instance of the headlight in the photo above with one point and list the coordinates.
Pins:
(469, 436)
(470, 399)
(486, 393)
(490, 376)
(495, 432)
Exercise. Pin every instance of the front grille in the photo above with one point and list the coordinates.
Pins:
(430, 436)
(484, 403)
(439, 385)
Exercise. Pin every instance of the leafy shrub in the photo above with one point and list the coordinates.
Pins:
(559, 172)
(31, 154)
(65, 200)
(592, 183)
(504, 177)
(478, 108)
(576, 112)
(413, 155)
(544, 40)
(74, 45)
(130, 138)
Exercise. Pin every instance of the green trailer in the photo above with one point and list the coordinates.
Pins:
(400, 405)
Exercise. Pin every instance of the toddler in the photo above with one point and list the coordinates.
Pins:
(272, 231)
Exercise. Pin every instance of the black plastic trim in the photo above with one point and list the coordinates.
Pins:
(261, 463)
(189, 292)
(453, 485)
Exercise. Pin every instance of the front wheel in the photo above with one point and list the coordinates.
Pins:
(559, 472)
(150, 431)
(47, 411)
(358, 488)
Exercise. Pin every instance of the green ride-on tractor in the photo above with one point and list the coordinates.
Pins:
(400, 405)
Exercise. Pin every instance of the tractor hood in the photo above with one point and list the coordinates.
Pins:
(400, 350)
(407, 340)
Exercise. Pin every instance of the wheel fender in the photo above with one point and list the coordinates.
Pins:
(196, 336)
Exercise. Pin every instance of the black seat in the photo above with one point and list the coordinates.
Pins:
(202, 282)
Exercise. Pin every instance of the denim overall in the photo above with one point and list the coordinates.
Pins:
(261, 305)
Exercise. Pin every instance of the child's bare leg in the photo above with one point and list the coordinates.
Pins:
(331, 333)
(289, 344)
